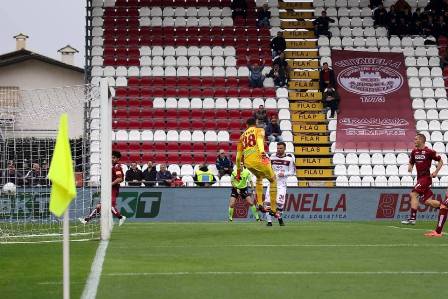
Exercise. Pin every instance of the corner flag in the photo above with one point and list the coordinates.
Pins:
(61, 174)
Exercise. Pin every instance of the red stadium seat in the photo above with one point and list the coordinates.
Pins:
(198, 147)
(196, 93)
(183, 114)
(208, 81)
(198, 159)
(211, 147)
(221, 113)
(235, 135)
(197, 124)
(170, 81)
(170, 92)
(122, 113)
(232, 93)
(185, 147)
(245, 92)
(120, 146)
(209, 114)
(195, 82)
(173, 158)
(197, 114)
(183, 81)
(160, 147)
(220, 93)
(257, 92)
(232, 82)
(134, 158)
(147, 81)
(134, 146)
(211, 124)
(147, 146)
(184, 124)
(172, 147)
(171, 124)
(159, 158)
(208, 93)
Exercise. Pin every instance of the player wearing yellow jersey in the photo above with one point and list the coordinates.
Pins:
(250, 150)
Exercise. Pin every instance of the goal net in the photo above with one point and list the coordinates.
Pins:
(29, 121)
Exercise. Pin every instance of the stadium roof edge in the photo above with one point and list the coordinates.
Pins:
(24, 55)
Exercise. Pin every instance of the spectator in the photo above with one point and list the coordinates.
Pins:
(283, 63)
(164, 177)
(134, 176)
(34, 176)
(278, 75)
(437, 5)
(256, 77)
(273, 131)
(403, 27)
(239, 8)
(392, 14)
(401, 6)
(392, 27)
(375, 3)
(326, 77)
(150, 175)
(223, 164)
(263, 16)
(260, 124)
(440, 27)
(431, 22)
(331, 99)
(176, 182)
(444, 59)
(428, 26)
(417, 15)
(278, 44)
(380, 16)
(11, 175)
(203, 177)
(261, 115)
(322, 23)
(45, 168)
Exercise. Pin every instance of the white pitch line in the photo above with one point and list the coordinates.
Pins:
(93, 280)
(408, 228)
(279, 273)
(298, 245)
(42, 242)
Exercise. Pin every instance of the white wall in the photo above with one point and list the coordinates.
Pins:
(41, 112)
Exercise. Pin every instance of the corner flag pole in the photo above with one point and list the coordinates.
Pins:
(66, 255)
(63, 190)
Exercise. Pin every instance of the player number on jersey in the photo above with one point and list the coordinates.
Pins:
(249, 141)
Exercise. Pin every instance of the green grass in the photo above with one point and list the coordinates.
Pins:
(35, 270)
(231, 260)
(139, 254)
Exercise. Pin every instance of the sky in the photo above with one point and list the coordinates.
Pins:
(50, 25)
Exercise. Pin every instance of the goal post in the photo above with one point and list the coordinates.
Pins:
(106, 160)
(29, 122)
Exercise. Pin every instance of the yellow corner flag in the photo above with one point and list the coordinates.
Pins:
(61, 174)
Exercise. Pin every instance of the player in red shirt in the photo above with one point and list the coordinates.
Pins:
(117, 178)
(422, 157)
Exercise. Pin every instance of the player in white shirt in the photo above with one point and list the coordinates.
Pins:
(283, 166)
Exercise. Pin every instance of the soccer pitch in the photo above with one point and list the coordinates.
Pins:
(241, 260)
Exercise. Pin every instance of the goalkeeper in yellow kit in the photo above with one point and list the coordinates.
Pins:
(251, 150)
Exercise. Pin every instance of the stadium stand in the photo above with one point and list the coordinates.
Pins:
(310, 124)
(427, 89)
(181, 83)
(180, 77)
